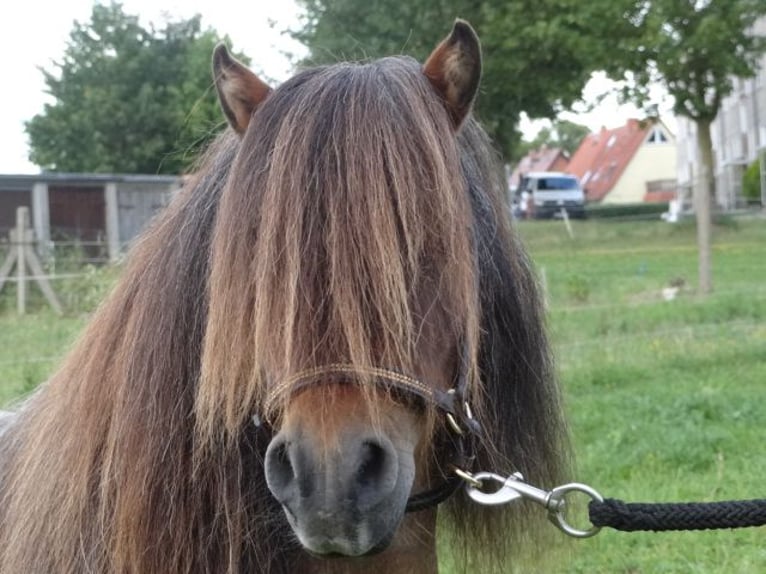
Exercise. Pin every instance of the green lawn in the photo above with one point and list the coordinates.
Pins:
(667, 400)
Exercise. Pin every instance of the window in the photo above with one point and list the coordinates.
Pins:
(657, 136)
(557, 183)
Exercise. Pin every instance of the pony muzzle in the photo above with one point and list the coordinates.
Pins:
(345, 499)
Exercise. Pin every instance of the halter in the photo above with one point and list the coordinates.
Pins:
(464, 429)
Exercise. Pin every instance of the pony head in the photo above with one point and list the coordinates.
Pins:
(343, 250)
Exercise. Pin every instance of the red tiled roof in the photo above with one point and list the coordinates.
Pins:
(543, 159)
(603, 156)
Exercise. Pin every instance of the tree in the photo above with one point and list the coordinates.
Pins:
(538, 53)
(694, 48)
(569, 135)
(127, 99)
(562, 134)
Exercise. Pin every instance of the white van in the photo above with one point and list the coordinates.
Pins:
(547, 193)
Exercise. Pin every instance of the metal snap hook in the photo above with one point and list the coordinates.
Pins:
(503, 495)
(514, 487)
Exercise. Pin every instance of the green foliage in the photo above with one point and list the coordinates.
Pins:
(562, 134)
(694, 49)
(83, 293)
(538, 53)
(633, 210)
(751, 182)
(126, 98)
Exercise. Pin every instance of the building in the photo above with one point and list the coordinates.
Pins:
(633, 163)
(739, 139)
(543, 159)
(105, 210)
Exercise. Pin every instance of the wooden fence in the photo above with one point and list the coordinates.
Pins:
(23, 258)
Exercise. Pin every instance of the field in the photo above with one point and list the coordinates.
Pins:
(667, 399)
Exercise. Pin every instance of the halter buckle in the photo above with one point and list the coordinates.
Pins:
(473, 425)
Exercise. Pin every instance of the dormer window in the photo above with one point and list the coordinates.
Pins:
(657, 136)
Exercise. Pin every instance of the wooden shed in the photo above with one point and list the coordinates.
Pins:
(108, 209)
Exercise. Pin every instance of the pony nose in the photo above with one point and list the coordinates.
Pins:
(361, 471)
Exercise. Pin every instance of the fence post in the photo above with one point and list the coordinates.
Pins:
(112, 221)
(41, 219)
(22, 222)
(565, 217)
(22, 254)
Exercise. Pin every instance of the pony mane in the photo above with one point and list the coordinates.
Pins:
(346, 206)
(521, 408)
(328, 233)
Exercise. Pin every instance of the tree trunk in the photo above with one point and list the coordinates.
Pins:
(702, 201)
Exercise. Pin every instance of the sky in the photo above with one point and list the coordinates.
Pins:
(33, 34)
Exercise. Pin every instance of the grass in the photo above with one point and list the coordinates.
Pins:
(666, 399)
(30, 348)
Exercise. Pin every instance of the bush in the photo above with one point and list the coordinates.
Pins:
(751, 183)
(83, 292)
(627, 210)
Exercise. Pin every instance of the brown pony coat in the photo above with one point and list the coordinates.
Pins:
(315, 238)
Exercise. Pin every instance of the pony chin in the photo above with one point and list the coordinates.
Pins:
(363, 540)
(347, 533)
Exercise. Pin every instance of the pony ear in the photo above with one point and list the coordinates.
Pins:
(240, 92)
(454, 70)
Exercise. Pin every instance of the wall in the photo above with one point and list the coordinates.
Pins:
(652, 162)
(9, 201)
(138, 203)
(76, 212)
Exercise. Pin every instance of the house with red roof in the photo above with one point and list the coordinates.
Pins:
(543, 159)
(633, 163)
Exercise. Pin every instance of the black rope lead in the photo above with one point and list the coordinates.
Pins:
(631, 517)
(491, 489)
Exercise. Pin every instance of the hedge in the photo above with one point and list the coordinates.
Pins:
(632, 210)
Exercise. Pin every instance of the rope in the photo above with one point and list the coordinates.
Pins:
(631, 517)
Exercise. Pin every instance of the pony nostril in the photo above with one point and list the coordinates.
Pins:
(372, 464)
(280, 475)
(376, 472)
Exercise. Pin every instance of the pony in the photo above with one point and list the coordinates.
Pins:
(264, 389)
